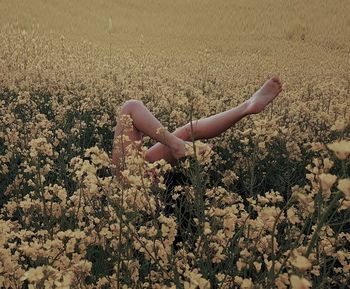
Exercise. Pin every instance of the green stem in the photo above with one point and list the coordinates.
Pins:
(41, 186)
(315, 235)
(272, 271)
(293, 245)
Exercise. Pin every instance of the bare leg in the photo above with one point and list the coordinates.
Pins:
(216, 124)
(171, 146)
(143, 122)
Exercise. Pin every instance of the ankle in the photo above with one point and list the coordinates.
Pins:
(178, 148)
(246, 108)
(176, 144)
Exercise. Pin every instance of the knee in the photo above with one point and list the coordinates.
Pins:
(130, 105)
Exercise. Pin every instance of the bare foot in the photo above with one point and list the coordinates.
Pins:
(264, 95)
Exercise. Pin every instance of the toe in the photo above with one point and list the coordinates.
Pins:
(277, 86)
(275, 79)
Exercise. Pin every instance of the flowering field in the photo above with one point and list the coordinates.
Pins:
(268, 207)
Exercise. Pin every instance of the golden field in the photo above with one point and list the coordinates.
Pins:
(269, 207)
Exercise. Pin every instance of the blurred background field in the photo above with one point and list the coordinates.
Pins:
(269, 208)
(220, 26)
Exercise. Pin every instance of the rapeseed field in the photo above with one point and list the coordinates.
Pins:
(267, 207)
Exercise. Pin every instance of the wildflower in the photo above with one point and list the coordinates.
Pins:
(134, 180)
(83, 267)
(299, 283)
(247, 284)
(262, 145)
(301, 262)
(315, 270)
(245, 141)
(98, 157)
(219, 256)
(40, 146)
(341, 149)
(225, 281)
(268, 264)
(339, 125)
(229, 224)
(317, 146)
(268, 215)
(195, 280)
(207, 230)
(281, 281)
(241, 264)
(257, 266)
(34, 274)
(238, 280)
(229, 177)
(328, 164)
(327, 181)
(292, 217)
(344, 186)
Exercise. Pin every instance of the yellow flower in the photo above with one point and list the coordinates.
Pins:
(315, 270)
(292, 217)
(247, 284)
(40, 146)
(299, 283)
(165, 230)
(316, 146)
(207, 229)
(257, 266)
(196, 280)
(238, 280)
(229, 223)
(344, 186)
(241, 264)
(341, 149)
(98, 156)
(229, 177)
(302, 263)
(339, 125)
(34, 274)
(327, 181)
(327, 163)
(281, 281)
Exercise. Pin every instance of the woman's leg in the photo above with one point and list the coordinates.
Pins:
(216, 124)
(171, 146)
(143, 122)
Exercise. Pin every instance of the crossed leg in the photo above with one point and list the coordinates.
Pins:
(171, 146)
